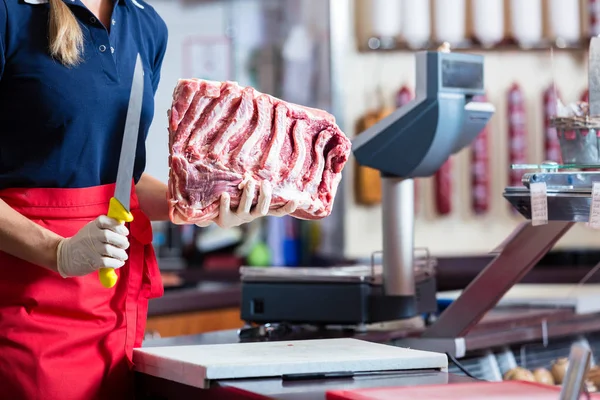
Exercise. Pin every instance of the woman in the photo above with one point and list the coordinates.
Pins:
(65, 76)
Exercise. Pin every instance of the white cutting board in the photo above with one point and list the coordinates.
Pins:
(584, 299)
(195, 365)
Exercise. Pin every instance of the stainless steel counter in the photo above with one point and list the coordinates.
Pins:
(274, 388)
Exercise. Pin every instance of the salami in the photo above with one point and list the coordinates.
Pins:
(442, 183)
(594, 13)
(488, 21)
(517, 133)
(551, 143)
(403, 97)
(584, 96)
(443, 188)
(526, 18)
(480, 171)
(564, 20)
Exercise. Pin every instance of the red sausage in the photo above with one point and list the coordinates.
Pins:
(594, 13)
(480, 171)
(443, 188)
(585, 96)
(551, 143)
(517, 133)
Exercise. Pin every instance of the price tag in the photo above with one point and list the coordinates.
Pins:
(594, 222)
(539, 203)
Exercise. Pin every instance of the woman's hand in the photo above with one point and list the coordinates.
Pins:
(99, 244)
(245, 213)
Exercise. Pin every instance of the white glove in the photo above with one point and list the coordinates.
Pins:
(244, 213)
(99, 244)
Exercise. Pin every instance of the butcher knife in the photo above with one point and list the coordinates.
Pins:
(119, 206)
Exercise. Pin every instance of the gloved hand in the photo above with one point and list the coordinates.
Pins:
(244, 213)
(101, 243)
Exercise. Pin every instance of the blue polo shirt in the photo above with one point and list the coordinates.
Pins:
(62, 127)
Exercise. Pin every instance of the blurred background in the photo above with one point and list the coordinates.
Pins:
(355, 59)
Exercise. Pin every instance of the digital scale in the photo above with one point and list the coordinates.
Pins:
(412, 142)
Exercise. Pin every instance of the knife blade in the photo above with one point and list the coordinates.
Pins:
(119, 206)
(594, 77)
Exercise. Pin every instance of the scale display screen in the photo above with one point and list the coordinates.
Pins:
(462, 75)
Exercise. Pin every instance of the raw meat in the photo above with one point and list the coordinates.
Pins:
(222, 136)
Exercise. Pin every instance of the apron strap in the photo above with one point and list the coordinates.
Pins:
(150, 281)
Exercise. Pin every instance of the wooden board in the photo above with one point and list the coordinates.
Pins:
(194, 365)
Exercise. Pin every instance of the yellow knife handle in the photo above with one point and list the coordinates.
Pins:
(116, 211)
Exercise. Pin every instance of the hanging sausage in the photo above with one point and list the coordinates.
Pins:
(442, 182)
(403, 97)
(526, 22)
(416, 24)
(450, 24)
(584, 96)
(594, 15)
(480, 170)
(488, 21)
(386, 21)
(564, 21)
(517, 133)
(551, 143)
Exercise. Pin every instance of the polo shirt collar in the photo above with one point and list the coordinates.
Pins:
(134, 2)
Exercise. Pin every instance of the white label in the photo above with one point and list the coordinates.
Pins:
(594, 222)
(539, 203)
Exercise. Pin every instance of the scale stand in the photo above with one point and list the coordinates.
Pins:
(398, 221)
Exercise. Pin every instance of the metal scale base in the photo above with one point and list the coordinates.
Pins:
(568, 190)
(347, 296)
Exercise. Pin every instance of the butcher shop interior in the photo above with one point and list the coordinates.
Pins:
(440, 159)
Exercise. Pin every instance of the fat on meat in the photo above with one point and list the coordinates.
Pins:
(223, 135)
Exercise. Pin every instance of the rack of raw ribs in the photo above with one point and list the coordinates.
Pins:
(222, 136)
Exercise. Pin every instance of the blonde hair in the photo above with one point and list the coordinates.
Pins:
(66, 36)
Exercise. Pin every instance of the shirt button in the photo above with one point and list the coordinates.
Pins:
(93, 20)
(113, 22)
(112, 49)
(102, 48)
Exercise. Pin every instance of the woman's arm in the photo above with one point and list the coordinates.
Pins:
(27, 240)
(152, 195)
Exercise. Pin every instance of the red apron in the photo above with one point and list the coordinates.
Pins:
(73, 339)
